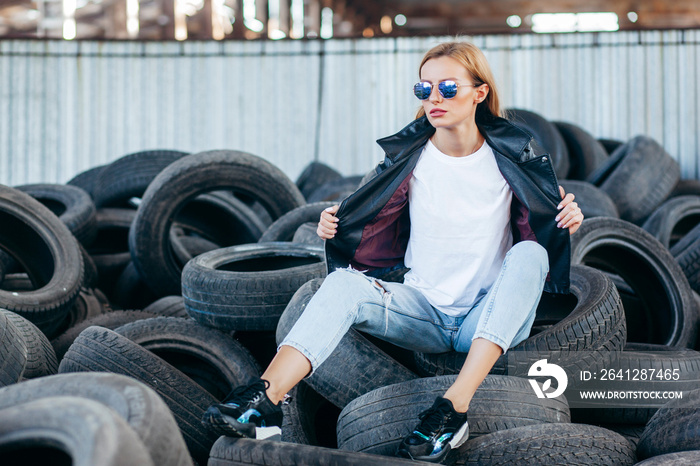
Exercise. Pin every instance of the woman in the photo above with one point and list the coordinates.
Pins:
(470, 204)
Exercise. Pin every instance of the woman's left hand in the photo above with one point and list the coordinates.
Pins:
(570, 216)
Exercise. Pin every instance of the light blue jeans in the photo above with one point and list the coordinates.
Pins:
(401, 315)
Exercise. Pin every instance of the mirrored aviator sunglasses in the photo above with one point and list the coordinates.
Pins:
(447, 89)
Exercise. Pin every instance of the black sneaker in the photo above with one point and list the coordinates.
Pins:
(246, 412)
(441, 429)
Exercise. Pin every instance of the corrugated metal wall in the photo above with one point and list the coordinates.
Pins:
(69, 106)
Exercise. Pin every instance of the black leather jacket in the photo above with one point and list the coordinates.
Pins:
(373, 222)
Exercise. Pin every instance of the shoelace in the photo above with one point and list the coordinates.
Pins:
(244, 393)
(431, 420)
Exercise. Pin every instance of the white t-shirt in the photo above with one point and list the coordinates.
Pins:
(460, 227)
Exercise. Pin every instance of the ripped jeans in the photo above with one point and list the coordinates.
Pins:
(401, 315)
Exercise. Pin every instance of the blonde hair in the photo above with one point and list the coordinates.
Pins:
(474, 61)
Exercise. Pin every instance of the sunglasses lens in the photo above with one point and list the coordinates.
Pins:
(448, 89)
(422, 90)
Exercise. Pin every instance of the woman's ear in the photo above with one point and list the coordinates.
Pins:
(481, 93)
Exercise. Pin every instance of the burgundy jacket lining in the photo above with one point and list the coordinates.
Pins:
(385, 237)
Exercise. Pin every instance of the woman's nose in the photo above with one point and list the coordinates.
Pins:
(435, 95)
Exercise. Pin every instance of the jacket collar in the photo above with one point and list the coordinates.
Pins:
(502, 135)
(413, 136)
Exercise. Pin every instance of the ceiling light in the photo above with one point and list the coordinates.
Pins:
(400, 20)
(589, 22)
(574, 22)
(69, 25)
(254, 24)
(297, 13)
(326, 23)
(276, 34)
(514, 21)
(385, 24)
(553, 22)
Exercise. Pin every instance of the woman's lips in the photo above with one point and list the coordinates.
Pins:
(436, 112)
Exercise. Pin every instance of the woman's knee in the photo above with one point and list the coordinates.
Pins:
(346, 278)
(529, 254)
(345, 284)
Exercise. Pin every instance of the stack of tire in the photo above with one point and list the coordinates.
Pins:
(143, 290)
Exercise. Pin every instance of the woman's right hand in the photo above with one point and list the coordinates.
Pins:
(328, 225)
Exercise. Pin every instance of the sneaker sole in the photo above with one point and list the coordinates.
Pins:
(461, 436)
(268, 433)
(225, 425)
(458, 439)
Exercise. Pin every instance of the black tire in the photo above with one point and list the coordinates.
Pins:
(47, 251)
(6, 264)
(586, 153)
(13, 349)
(314, 175)
(228, 451)
(256, 207)
(543, 444)
(211, 358)
(186, 246)
(686, 188)
(52, 430)
(673, 428)
(682, 458)
(631, 432)
(283, 228)
(220, 218)
(306, 234)
(98, 349)
(610, 144)
(638, 177)
(140, 406)
(17, 282)
(581, 331)
(130, 175)
(90, 273)
(102, 298)
(620, 247)
(130, 291)
(593, 201)
(633, 306)
(674, 219)
(86, 179)
(41, 357)
(638, 359)
(686, 252)
(72, 205)
(547, 135)
(309, 419)
(354, 368)
(377, 421)
(110, 320)
(168, 306)
(9, 264)
(22, 282)
(87, 306)
(185, 179)
(110, 250)
(335, 190)
(262, 345)
(247, 287)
